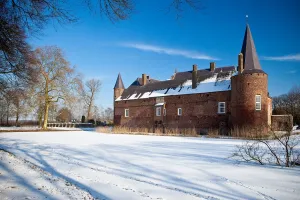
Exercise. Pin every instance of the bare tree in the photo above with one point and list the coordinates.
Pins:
(92, 87)
(288, 104)
(8, 103)
(16, 56)
(108, 114)
(178, 6)
(2, 109)
(117, 10)
(64, 115)
(279, 148)
(57, 80)
(18, 98)
(96, 113)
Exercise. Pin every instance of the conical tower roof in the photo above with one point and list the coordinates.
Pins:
(251, 62)
(119, 83)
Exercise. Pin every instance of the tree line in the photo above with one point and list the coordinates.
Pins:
(288, 103)
(56, 84)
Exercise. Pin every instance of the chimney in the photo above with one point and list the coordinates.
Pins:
(241, 63)
(194, 76)
(144, 79)
(212, 66)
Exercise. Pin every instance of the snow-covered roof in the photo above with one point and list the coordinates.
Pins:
(216, 81)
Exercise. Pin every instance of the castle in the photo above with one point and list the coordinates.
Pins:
(217, 97)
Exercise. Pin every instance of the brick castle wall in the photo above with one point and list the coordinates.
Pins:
(199, 111)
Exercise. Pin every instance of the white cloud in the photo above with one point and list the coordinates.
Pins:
(292, 72)
(295, 57)
(169, 51)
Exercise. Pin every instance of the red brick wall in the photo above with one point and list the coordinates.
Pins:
(118, 92)
(198, 111)
(243, 90)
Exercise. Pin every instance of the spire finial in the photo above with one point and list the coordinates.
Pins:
(246, 19)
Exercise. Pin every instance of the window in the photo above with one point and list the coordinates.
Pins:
(158, 111)
(179, 111)
(258, 102)
(221, 107)
(165, 112)
(126, 112)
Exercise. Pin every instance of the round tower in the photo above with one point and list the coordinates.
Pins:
(249, 99)
(249, 89)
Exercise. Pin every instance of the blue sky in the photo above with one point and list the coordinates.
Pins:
(152, 41)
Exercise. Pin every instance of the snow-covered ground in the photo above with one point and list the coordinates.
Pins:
(36, 128)
(23, 180)
(15, 128)
(111, 166)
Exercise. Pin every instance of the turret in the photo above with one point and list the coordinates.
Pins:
(249, 89)
(119, 87)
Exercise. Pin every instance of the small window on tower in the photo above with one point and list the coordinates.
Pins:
(126, 112)
(258, 102)
(221, 107)
(165, 112)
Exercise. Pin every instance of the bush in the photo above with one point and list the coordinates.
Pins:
(279, 148)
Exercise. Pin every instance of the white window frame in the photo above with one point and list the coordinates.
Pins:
(179, 111)
(258, 102)
(158, 111)
(222, 105)
(125, 113)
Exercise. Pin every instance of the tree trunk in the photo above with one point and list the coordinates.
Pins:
(17, 117)
(89, 112)
(40, 119)
(46, 115)
(7, 115)
(287, 155)
(90, 106)
(46, 108)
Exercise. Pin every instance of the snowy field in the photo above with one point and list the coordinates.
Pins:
(81, 164)
(36, 128)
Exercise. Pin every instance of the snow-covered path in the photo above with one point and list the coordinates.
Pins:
(151, 167)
